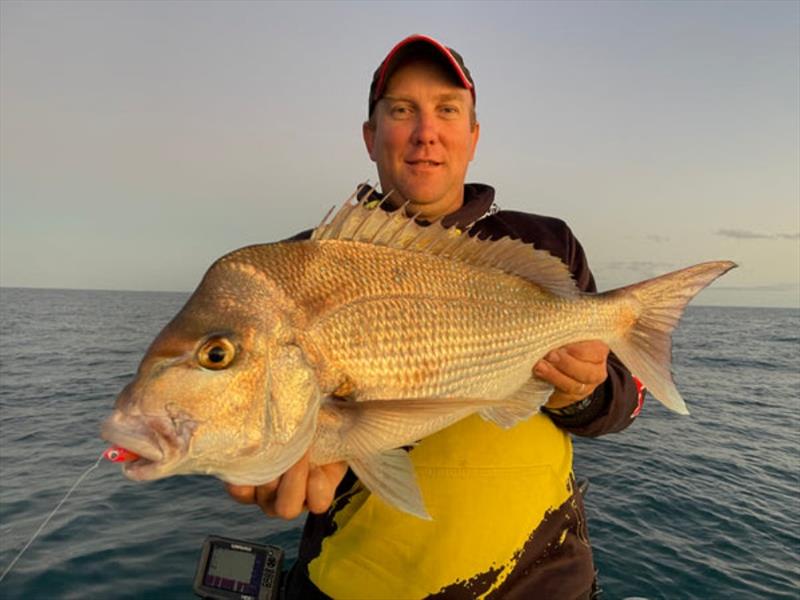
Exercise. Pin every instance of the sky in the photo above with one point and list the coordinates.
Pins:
(139, 141)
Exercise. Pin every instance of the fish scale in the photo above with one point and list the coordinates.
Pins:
(433, 320)
(448, 344)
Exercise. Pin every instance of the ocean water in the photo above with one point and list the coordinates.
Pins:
(706, 506)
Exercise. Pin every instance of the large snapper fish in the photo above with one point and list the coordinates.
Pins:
(373, 334)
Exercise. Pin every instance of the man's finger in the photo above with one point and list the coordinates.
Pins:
(562, 382)
(335, 471)
(265, 496)
(593, 351)
(320, 490)
(243, 494)
(566, 372)
(291, 495)
(322, 483)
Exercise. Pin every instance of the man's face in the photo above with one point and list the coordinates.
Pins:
(422, 139)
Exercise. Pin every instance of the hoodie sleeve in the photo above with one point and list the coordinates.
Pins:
(616, 402)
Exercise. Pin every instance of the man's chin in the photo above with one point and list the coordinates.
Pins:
(430, 205)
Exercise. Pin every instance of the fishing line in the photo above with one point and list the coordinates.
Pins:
(50, 516)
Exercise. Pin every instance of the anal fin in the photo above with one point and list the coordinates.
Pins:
(391, 477)
(521, 405)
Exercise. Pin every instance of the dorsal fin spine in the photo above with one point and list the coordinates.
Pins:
(325, 218)
(420, 240)
(376, 235)
(451, 243)
(394, 229)
(397, 236)
(342, 218)
(332, 228)
(369, 218)
(427, 238)
(394, 218)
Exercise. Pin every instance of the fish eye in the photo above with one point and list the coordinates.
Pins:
(216, 353)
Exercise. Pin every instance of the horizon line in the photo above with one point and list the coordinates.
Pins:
(62, 289)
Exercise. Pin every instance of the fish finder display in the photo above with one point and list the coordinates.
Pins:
(235, 569)
(231, 570)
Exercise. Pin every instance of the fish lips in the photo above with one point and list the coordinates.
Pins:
(160, 441)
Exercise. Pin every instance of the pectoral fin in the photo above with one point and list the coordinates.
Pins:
(372, 426)
(391, 477)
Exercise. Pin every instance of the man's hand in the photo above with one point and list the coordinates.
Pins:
(575, 370)
(301, 487)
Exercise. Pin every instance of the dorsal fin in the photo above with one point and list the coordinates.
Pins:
(366, 221)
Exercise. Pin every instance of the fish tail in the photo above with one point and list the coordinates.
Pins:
(646, 346)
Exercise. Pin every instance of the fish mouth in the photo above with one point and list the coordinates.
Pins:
(161, 442)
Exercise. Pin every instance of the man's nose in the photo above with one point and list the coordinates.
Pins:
(426, 131)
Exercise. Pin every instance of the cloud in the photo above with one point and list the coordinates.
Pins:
(654, 237)
(769, 287)
(634, 270)
(744, 234)
(637, 265)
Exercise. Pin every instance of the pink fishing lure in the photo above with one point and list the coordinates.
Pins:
(118, 455)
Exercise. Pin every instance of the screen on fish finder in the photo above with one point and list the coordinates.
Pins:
(230, 570)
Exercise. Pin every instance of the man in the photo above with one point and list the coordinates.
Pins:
(507, 520)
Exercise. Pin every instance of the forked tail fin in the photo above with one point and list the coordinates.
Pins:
(646, 348)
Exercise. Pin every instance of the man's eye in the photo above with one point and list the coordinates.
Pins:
(449, 110)
(400, 111)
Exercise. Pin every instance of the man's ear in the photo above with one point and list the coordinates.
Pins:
(476, 134)
(368, 133)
